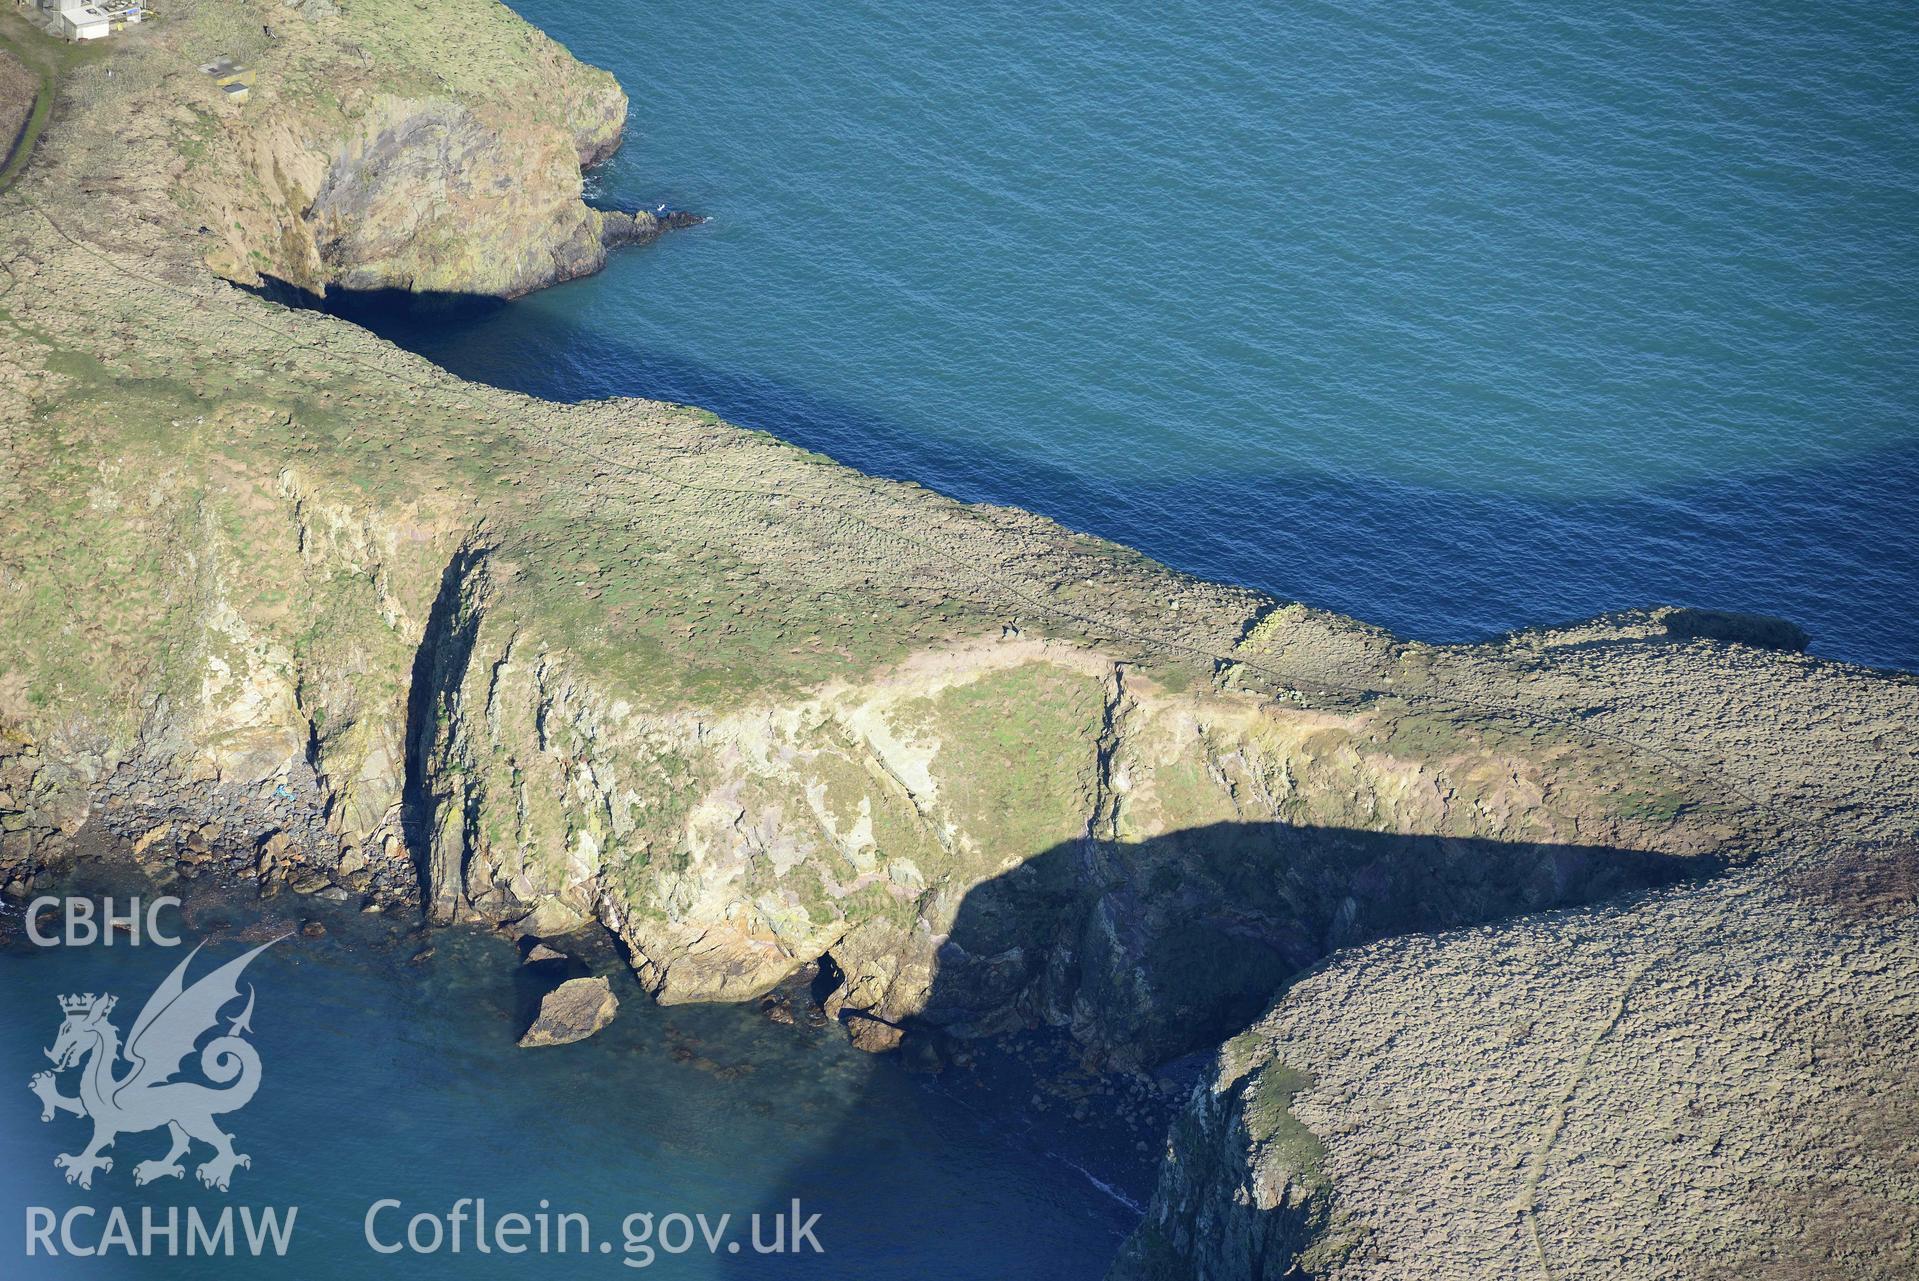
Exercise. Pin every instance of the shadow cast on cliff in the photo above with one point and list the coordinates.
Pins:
(1153, 949)
(445, 646)
(1144, 952)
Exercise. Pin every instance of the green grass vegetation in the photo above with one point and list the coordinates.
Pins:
(47, 59)
(1240, 1053)
(1653, 803)
(1017, 755)
(1267, 1109)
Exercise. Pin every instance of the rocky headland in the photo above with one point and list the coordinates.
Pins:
(1595, 927)
(380, 146)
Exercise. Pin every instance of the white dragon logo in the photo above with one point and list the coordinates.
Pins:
(145, 1097)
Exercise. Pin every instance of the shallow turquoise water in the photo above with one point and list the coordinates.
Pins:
(1456, 316)
(387, 1079)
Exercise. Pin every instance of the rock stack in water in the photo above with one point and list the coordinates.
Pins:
(573, 1011)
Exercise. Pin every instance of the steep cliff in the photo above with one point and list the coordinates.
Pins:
(275, 593)
(380, 145)
(1701, 1085)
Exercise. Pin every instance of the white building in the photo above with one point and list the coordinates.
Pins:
(89, 19)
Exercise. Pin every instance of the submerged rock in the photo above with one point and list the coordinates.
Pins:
(1757, 630)
(540, 953)
(573, 1011)
(150, 838)
(875, 1036)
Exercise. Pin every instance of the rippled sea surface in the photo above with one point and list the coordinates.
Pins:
(1459, 317)
(390, 1075)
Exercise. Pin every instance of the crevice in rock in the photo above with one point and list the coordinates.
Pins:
(1103, 821)
(439, 669)
(828, 982)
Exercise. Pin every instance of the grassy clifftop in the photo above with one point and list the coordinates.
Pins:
(624, 662)
(625, 659)
(382, 144)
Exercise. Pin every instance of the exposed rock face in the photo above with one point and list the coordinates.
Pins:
(573, 1011)
(1241, 1193)
(457, 192)
(425, 197)
(1708, 1083)
(1086, 848)
(389, 146)
(751, 711)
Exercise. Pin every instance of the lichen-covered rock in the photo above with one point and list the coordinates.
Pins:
(573, 1011)
(751, 711)
(385, 146)
(1711, 1082)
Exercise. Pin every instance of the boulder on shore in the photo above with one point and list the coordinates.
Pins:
(573, 1011)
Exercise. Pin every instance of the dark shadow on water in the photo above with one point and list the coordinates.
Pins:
(379, 310)
(394, 1071)
(1831, 547)
(1157, 949)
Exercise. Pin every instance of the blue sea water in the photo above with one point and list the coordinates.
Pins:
(1457, 316)
(384, 1078)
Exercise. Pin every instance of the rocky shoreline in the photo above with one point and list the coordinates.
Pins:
(271, 835)
(282, 603)
(643, 226)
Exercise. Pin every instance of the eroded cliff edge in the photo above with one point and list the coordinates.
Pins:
(272, 590)
(380, 145)
(1700, 1084)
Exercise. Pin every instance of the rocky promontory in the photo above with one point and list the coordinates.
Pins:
(1699, 1084)
(381, 145)
(271, 585)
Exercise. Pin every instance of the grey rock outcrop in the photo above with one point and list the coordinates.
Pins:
(573, 1011)
(1706, 1084)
